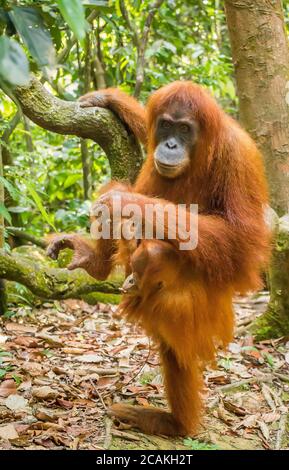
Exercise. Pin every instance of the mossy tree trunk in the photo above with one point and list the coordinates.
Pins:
(2, 240)
(84, 150)
(125, 158)
(275, 321)
(261, 58)
(52, 283)
(102, 126)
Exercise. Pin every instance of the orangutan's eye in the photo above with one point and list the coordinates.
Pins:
(185, 128)
(166, 124)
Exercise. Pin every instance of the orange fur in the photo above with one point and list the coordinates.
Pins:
(192, 312)
(126, 107)
(187, 317)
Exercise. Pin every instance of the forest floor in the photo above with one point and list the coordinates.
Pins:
(62, 364)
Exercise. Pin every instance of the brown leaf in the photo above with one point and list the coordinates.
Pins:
(45, 415)
(11, 326)
(249, 422)
(65, 403)
(21, 428)
(270, 417)
(27, 342)
(142, 401)
(8, 432)
(52, 340)
(105, 381)
(44, 392)
(90, 358)
(34, 368)
(221, 413)
(74, 304)
(7, 387)
(15, 402)
(22, 441)
(264, 429)
(237, 410)
(219, 378)
(76, 351)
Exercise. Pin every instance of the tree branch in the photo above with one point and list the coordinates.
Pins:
(19, 233)
(141, 47)
(6, 155)
(52, 283)
(72, 41)
(3, 299)
(130, 25)
(66, 117)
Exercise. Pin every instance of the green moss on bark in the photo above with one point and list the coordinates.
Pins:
(275, 321)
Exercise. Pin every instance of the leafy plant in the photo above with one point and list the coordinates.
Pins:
(197, 445)
(14, 66)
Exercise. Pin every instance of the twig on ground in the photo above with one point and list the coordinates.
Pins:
(98, 394)
(283, 377)
(108, 435)
(240, 383)
(125, 435)
(281, 431)
(267, 394)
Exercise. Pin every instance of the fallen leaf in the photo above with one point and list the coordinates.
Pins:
(94, 377)
(89, 358)
(5, 414)
(223, 415)
(15, 402)
(8, 432)
(105, 381)
(53, 341)
(20, 328)
(33, 368)
(237, 410)
(21, 428)
(44, 392)
(27, 342)
(234, 348)
(60, 370)
(7, 387)
(142, 401)
(124, 362)
(21, 441)
(45, 415)
(3, 339)
(270, 417)
(76, 351)
(65, 403)
(73, 304)
(218, 378)
(249, 421)
(264, 429)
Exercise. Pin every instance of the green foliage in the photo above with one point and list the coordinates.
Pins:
(5, 213)
(73, 13)
(197, 445)
(38, 203)
(187, 40)
(13, 63)
(17, 379)
(4, 367)
(30, 26)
